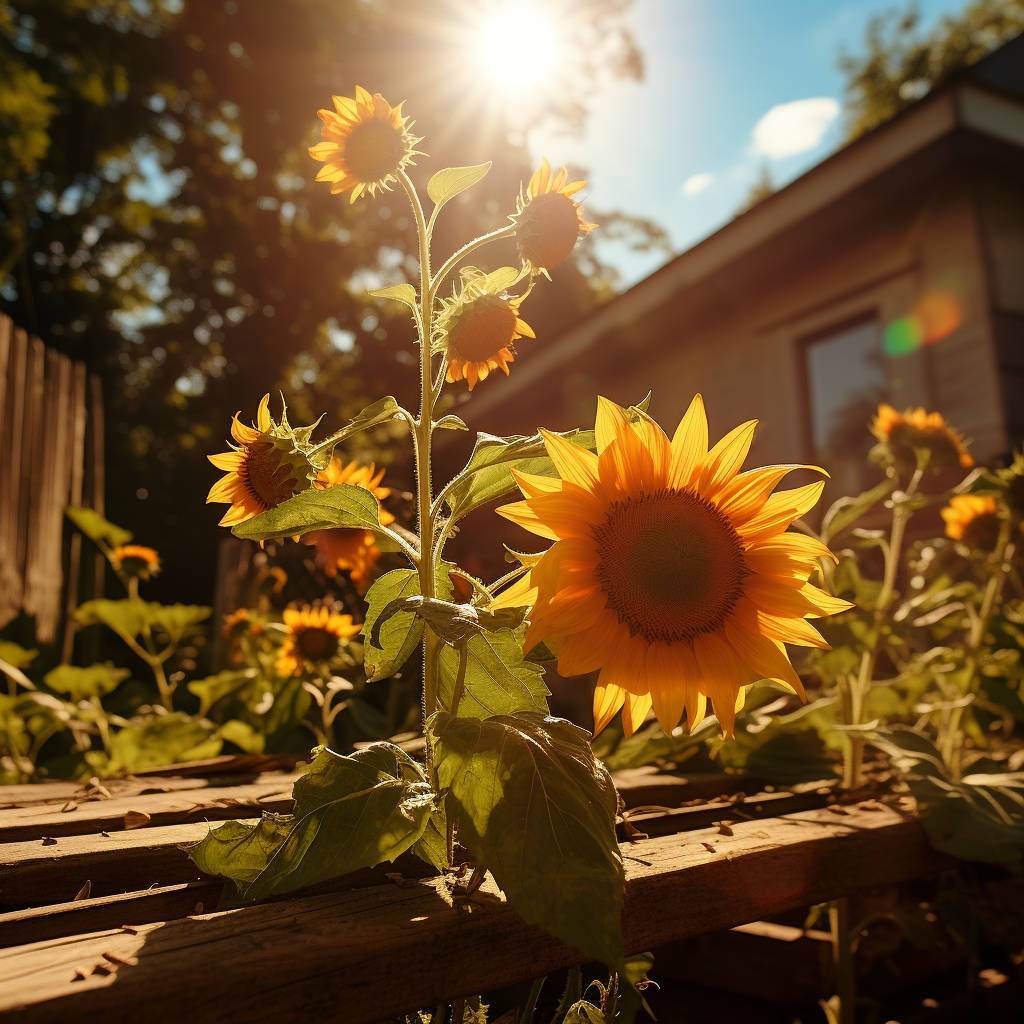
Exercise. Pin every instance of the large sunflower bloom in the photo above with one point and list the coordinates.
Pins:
(972, 519)
(315, 637)
(913, 430)
(548, 220)
(349, 550)
(366, 142)
(671, 572)
(262, 471)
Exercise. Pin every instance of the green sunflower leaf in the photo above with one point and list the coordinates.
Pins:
(130, 618)
(498, 680)
(96, 528)
(534, 806)
(92, 681)
(350, 812)
(399, 293)
(315, 509)
(446, 184)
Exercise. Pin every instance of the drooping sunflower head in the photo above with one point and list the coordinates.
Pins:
(265, 466)
(915, 437)
(349, 550)
(478, 326)
(672, 574)
(973, 519)
(365, 143)
(135, 561)
(316, 637)
(239, 622)
(548, 220)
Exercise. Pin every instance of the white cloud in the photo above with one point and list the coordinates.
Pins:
(794, 127)
(697, 183)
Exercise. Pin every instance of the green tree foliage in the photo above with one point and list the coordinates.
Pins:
(900, 63)
(157, 215)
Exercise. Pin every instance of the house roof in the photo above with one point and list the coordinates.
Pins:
(986, 99)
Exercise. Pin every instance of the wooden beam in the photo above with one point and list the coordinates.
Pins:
(364, 950)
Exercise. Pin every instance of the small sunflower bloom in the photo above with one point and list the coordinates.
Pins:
(135, 561)
(365, 143)
(315, 637)
(548, 220)
(972, 519)
(912, 432)
(263, 469)
(345, 550)
(478, 329)
(672, 574)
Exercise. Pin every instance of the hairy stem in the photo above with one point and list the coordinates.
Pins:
(422, 431)
(457, 257)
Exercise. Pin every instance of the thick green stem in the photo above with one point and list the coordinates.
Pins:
(422, 430)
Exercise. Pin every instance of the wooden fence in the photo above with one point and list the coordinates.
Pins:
(51, 456)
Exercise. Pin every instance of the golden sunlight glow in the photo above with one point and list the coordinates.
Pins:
(517, 46)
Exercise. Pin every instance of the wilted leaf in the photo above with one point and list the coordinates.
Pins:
(446, 184)
(79, 683)
(96, 528)
(350, 813)
(498, 681)
(453, 623)
(315, 509)
(534, 806)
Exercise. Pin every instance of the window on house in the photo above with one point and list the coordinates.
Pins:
(848, 376)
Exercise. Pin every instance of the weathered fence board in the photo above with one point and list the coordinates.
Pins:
(361, 949)
(46, 404)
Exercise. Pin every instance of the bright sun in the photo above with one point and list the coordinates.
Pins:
(512, 66)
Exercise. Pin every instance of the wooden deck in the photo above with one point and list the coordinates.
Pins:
(103, 915)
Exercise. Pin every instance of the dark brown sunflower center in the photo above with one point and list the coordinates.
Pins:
(943, 449)
(266, 478)
(982, 531)
(670, 564)
(547, 229)
(314, 643)
(374, 149)
(482, 328)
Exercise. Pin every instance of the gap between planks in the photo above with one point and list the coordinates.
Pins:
(364, 947)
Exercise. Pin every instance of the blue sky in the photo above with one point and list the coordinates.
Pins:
(714, 70)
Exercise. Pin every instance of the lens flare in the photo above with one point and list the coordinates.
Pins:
(934, 316)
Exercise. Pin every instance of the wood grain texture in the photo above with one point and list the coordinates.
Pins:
(362, 950)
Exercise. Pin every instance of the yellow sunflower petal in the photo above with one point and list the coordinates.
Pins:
(689, 443)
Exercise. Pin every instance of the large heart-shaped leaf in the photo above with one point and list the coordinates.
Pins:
(315, 509)
(536, 808)
(350, 813)
(497, 679)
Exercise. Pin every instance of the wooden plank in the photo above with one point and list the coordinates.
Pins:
(11, 483)
(75, 492)
(33, 873)
(33, 475)
(38, 793)
(212, 803)
(364, 949)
